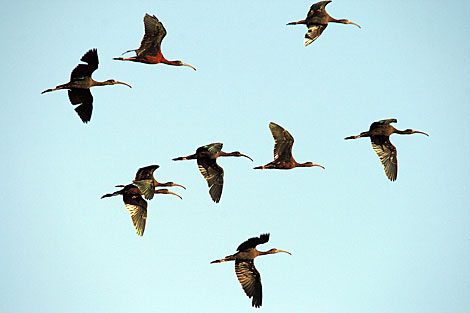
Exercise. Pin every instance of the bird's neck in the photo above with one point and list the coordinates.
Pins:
(402, 132)
(222, 153)
(342, 21)
(95, 83)
(164, 60)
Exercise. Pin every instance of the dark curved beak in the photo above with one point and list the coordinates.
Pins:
(180, 186)
(118, 82)
(417, 131)
(241, 154)
(166, 191)
(285, 252)
(185, 64)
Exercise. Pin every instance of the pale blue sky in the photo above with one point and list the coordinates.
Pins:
(359, 242)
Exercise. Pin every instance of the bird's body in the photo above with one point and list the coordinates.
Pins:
(80, 84)
(150, 51)
(379, 133)
(317, 20)
(283, 159)
(132, 195)
(245, 269)
(206, 157)
(146, 182)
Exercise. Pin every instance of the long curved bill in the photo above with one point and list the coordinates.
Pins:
(319, 166)
(241, 154)
(166, 191)
(185, 64)
(417, 131)
(179, 186)
(118, 82)
(354, 24)
(285, 252)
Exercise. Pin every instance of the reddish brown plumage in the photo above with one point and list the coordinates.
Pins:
(283, 159)
(149, 51)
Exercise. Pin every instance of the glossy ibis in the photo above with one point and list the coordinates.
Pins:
(146, 183)
(206, 157)
(81, 82)
(150, 51)
(379, 133)
(247, 274)
(283, 158)
(136, 205)
(317, 20)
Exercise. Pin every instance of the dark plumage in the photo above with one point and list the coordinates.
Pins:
(145, 181)
(379, 133)
(317, 20)
(80, 84)
(283, 159)
(206, 157)
(245, 269)
(144, 184)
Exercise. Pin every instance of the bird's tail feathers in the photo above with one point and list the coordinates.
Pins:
(299, 22)
(117, 193)
(227, 258)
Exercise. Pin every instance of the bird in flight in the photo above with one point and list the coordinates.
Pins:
(245, 269)
(150, 51)
(379, 134)
(317, 20)
(80, 84)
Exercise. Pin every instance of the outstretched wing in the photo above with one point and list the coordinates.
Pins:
(250, 279)
(146, 187)
(283, 142)
(137, 207)
(146, 172)
(253, 242)
(380, 123)
(314, 31)
(84, 98)
(387, 154)
(85, 70)
(154, 34)
(317, 9)
(213, 147)
(214, 176)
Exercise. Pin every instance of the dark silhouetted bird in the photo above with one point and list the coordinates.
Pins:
(247, 274)
(80, 84)
(206, 157)
(379, 133)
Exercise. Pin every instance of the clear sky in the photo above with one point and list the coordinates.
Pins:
(359, 242)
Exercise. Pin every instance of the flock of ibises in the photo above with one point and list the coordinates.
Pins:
(206, 156)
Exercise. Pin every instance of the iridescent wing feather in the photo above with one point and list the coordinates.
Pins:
(250, 279)
(387, 154)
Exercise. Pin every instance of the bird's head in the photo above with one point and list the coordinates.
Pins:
(239, 154)
(181, 63)
(274, 250)
(310, 164)
(114, 82)
(412, 131)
